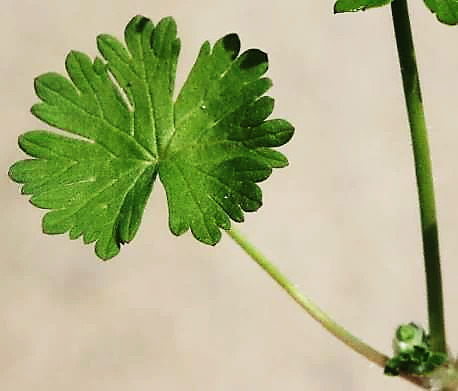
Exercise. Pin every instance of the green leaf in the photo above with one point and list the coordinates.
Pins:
(446, 10)
(358, 5)
(122, 129)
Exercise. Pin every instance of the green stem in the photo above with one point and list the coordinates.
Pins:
(423, 172)
(314, 311)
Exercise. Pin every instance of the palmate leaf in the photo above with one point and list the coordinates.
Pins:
(358, 5)
(209, 148)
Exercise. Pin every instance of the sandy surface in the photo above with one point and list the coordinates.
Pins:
(171, 314)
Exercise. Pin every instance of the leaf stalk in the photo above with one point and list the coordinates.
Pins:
(315, 312)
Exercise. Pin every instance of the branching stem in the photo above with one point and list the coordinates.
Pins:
(423, 172)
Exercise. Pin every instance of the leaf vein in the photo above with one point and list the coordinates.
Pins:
(194, 199)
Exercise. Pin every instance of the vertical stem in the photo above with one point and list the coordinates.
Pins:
(423, 172)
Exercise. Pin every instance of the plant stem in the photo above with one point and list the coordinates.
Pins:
(315, 312)
(423, 172)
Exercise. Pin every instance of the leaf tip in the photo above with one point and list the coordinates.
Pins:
(253, 58)
(105, 254)
(212, 237)
(138, 23)
(13, 172)
(336, 9)
(231, 44)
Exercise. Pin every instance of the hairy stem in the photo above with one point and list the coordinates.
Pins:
(423, 172)
(314, 311)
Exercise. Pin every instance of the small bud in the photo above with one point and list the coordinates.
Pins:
(407, 336)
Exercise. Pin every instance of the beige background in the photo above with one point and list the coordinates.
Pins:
(171, 314)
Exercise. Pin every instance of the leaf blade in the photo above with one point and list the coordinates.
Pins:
(220, 128)
(446, 10)
(88, 192)
(341, 6)
(210, 148)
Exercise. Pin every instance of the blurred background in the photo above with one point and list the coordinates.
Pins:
(341, 221)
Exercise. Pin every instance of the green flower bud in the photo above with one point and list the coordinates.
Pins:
(407, 337)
